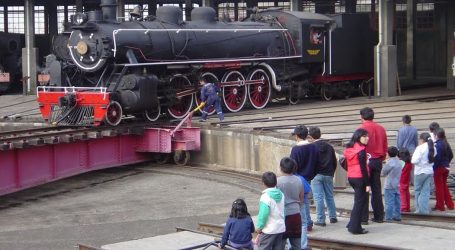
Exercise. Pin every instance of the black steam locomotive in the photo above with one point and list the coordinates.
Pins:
(113, 68)
(10, 60)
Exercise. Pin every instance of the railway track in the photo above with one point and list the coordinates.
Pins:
(53, 135)
(313, 241)
(254, 183)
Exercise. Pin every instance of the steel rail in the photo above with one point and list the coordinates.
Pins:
(25, 131)
(313, 241)
(32, 134)
(446, 218)
(329, 114)
(280, 108)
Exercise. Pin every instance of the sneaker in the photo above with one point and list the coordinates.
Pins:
(377, 220)
(396, 219)
(321, 224)
(333, 220)
(202, 120)
(364, 222)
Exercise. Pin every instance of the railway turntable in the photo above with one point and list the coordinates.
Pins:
(35, 156)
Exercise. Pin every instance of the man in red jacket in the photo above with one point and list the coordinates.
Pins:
(376, 150)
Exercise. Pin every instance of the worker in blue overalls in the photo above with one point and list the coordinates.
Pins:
(209, 95)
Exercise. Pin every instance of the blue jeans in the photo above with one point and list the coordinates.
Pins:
(422, 193)
(322, 187)
(392, 204)
(303, 214)
(216, 102)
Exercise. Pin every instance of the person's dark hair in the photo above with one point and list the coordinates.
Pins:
(202, 79)
(433, 126)
(269, 179)
(301, 131)
(288, 165)
(314, 132)
(239, 209)
(356, 137)
(367, 113)
(406, 119)
(392, 151)
(427, 138)
(404, 155)
(441, 135)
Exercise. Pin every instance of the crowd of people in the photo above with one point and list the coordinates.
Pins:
(284, 214)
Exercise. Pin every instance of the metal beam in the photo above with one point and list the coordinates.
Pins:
(30, 52)
(296, 5)
(120, 9)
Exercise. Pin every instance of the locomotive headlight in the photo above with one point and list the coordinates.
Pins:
(82, 47)
(79, 18)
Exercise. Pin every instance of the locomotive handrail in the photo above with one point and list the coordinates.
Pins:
(72, 89)
(210, 61)
(146, 31)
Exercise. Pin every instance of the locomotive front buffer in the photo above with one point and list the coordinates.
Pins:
(84, 106)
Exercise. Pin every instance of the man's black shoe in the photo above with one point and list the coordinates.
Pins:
(333, 220)
(364, 223)
(321, 224)
(377, 221)
(361, 232)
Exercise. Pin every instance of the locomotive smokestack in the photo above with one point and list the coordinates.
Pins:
(109, 9)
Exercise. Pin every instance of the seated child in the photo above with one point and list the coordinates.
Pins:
(238, 228)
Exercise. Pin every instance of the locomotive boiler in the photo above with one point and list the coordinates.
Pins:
(150, 65)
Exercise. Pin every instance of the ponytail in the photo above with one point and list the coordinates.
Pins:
(427, 138)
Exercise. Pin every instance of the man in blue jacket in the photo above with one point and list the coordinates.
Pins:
(307, 157)
(209, 95)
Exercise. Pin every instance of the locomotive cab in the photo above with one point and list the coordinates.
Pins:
(310, 32)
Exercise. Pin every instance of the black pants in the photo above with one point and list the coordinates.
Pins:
(375, 166)
(360, 201)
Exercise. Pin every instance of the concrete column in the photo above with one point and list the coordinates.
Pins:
(350, 6)
(29, 53)
(51, 12)
(209, 3)
(121, 10)
(152, 7)
(385, 72)
(451, 45)
(79, 6)
(296, 5)
(188, 9)
(410, 49)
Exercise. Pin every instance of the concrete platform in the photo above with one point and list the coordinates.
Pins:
(164, 242)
